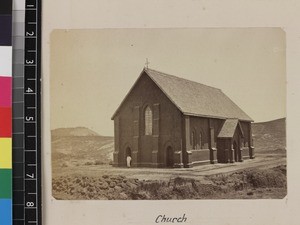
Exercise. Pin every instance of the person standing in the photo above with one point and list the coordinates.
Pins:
(128, 159)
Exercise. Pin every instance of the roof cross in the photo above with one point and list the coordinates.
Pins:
(147, 63)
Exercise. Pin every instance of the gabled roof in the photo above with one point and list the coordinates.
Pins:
(229, 128)
(193, 98)
(196, 99)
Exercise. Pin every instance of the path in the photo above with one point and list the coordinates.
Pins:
(197, 172)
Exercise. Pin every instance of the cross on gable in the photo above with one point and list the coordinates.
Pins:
(147, 63)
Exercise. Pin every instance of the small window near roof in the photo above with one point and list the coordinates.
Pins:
(148, 121)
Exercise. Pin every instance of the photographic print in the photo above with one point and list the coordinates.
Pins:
(168, 114)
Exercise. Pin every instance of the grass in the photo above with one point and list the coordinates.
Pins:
(255, 183)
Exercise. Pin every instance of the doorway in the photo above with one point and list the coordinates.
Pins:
(236, 151)
(127, 153)
(170, 157)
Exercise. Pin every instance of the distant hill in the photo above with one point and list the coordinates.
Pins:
(270, 136)
(80, 145)
(77, 131)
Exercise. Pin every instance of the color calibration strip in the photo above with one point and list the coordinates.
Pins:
(26, 113)
(18, 32)
(5, 112)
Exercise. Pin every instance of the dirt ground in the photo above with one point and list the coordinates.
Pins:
(197, 172)
(262, 177)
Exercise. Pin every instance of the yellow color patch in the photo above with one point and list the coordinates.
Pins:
(5, 153)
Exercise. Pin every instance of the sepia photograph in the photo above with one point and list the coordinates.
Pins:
(168, 114)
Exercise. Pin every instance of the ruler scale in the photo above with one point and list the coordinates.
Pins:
(26, 114)
(32, 112)
(6, 112)
(18, 112)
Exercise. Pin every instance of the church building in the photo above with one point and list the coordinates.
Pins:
(167, 121)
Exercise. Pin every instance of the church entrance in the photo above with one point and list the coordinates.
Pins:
(170, 157)
(237, 155)
(127, 153)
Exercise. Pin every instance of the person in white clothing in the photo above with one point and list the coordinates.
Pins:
(128, 161)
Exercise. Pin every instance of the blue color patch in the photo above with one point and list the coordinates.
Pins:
(5, 211)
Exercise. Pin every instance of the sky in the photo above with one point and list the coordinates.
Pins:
(91, 71)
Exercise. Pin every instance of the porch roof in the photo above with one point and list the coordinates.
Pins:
(228, 128)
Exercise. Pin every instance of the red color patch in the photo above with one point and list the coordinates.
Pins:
(5, 122)
(5, 91)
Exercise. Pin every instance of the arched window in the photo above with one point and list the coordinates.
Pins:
(148, 121)
(193, 140)
(200, 140)
(243, 142)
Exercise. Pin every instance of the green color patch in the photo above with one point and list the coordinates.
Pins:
(5, 183)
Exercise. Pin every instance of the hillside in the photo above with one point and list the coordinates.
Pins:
(80, 146)
(77, 131)
(269, 136)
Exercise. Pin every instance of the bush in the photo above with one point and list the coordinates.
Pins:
(99, 162)
(64, 164)
(266, 178)
(88, 163)
(179, 181)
